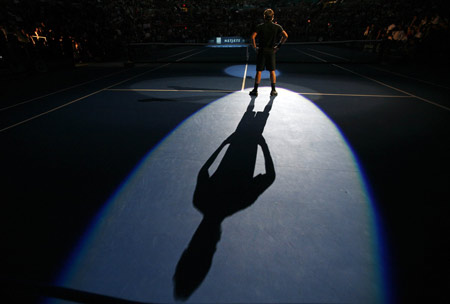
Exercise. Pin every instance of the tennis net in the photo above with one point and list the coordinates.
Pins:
(350, 51)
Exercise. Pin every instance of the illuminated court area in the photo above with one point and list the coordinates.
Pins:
(166, 182)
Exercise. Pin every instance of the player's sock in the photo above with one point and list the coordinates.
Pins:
(273, 86)
(256, 87)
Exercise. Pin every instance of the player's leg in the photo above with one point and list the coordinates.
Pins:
(260, 64)
(273, 77)
(254, 92)
(258, 77)
(271, 65)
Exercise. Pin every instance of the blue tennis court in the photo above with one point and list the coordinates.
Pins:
(164, 180)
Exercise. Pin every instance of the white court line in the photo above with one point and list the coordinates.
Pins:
(310, 55)
(230, 91)
(81, 98)
(96, 92)
(247, 55)
(190, 55)
(328, 54)
(245, 76)
(394, 88)
(382, 83)
(173, 55)
(409, 77)
(356, 95)
(59, 91)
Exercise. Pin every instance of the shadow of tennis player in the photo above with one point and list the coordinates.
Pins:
(231, 188)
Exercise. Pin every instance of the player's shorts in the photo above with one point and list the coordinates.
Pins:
(265, 60)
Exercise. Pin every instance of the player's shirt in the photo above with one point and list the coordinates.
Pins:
(268, 35)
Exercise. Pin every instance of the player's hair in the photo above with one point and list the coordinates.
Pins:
(268, 14)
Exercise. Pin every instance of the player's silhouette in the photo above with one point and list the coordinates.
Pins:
(231, 188)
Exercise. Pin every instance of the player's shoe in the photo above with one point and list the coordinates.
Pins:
(273, 93)
(253, 93)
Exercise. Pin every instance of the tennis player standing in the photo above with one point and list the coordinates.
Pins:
(268, 34)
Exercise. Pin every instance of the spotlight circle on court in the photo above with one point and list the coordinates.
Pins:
(314, 231)
(239, 70)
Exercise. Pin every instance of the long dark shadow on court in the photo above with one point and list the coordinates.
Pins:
(230, 189)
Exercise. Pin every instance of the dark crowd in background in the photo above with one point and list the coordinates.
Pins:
(37, 34)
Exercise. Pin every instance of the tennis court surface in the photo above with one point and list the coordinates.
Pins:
(165, 181)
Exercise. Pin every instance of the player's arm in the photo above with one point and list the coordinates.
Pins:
(270, 168)
(284, 37)
(253, 37)
(204, 174)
